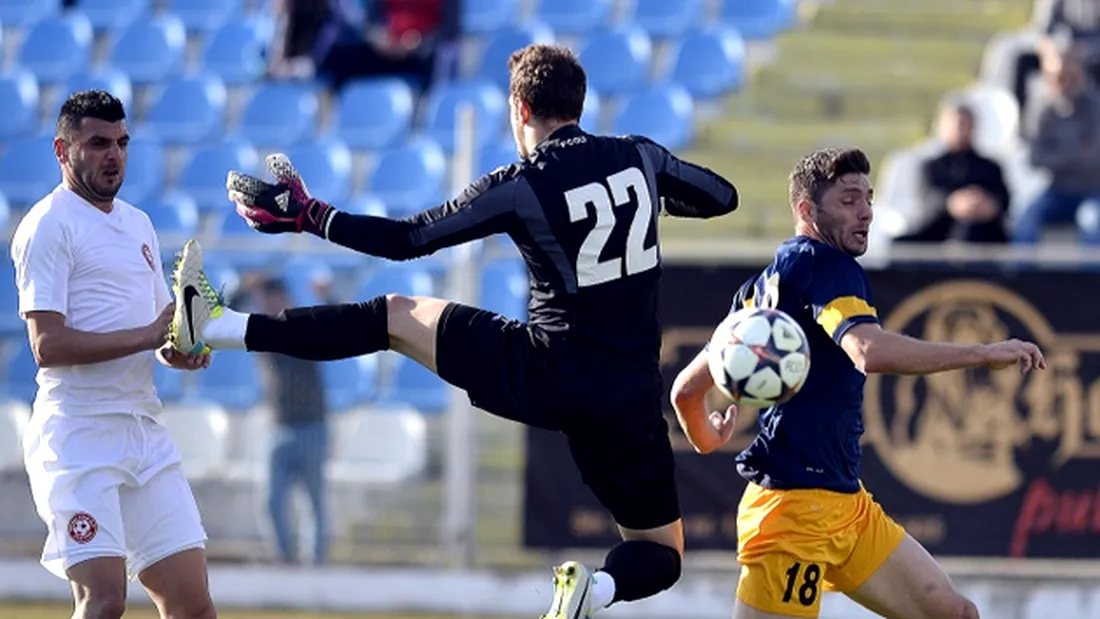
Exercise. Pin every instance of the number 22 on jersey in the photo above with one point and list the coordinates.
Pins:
(592, 271)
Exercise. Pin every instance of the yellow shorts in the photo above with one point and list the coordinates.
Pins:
(794, 544)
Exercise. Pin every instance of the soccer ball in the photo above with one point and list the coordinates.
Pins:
(759, 357)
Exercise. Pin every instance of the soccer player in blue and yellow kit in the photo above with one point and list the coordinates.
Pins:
(805, 523)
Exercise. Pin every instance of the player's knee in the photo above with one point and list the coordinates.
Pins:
(399, 304)
(101, 605)
(203, 609)
(968, 610)
(957, 607)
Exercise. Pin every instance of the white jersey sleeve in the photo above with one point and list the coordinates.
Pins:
(43, 256)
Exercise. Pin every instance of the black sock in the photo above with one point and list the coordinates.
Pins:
(641, 569)
(323, 332)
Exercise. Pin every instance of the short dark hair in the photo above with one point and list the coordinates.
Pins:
(98, 104)
(815, 173)
(550, 80)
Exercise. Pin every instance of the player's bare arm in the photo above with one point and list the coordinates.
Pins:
(54, 344)
(877, 351)
(697, 402)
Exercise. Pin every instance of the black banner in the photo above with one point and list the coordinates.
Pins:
(972, 463)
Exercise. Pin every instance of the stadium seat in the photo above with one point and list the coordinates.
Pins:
(350, 382)
(487, 16)
(409, 279)
(366, 204)
(18, 103)
(442, 108)
(203, 15)
(10, 322)
(21, 13)
(14, 417)
(574, 17)
(414, 385)
(150, 50)
(662, 113)
(301, 274)
(897, 196)
(235, 52)
(410, 177)
(492, 64)
(1025, 182)
(373, 114)
(112, 14)
(20, 374)
(326, 166)
(379, 445)
(200, 431)
(203, 176)
(175, 217)
(591, 116)
(112, 80)
(280, 114)
(759, 19)
(996, 118)
(617, 61)
(664, 19)
(28, 170)
(246, 248)
(57, 48)
(144, 172)
(708, 64)
(168, 382)
(188, 110)
(233, 380)
(493, 156)
(504, 288)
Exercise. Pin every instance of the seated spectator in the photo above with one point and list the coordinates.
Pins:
(339, 40)
(1061, 22)
(965, 191)
(1063, 132)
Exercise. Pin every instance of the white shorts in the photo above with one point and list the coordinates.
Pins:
(109, 486)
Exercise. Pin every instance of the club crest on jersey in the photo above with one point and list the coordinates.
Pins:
(148, 253)
(82, 527)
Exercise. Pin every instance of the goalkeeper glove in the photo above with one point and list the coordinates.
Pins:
(283, 206)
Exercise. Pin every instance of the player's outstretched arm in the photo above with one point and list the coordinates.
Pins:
(54, 344)
(693, 397)
(874, 350)
(688, 190)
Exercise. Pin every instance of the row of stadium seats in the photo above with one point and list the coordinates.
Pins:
(659, 18)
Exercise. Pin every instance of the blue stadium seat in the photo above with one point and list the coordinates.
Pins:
(235, 52)
(233, 380)
(482, 16)
(57, 48)
(28, 169)
(21, 13)
(708, 64)
(279, 114)
(661, 113)
(409, 279)
(759, 19)
(492, 65)
(492, 156)
(617, 61)
(326, 167)
(203, 176)
(366, 204)
(591, 120)
(247, 248)
(410, 177)
(111, 14)
(489, 105)
(574, 17)
(21, 371)
(112, 80)
(144, 172)
(150, 50)
(504, 288)
(416, 386)
(204, 15)
(10, 322)
(301, 274)
(372, 114)
(18, 102)
(664, 19)
(5, 214)
(349, 382)
(188, 110)
(168, 382)
(175, 215)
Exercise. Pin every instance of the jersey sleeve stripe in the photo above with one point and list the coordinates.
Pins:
(841, 310)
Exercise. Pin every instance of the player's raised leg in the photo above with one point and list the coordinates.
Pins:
(99, 588)
(179, 587)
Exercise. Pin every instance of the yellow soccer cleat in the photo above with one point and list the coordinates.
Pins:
(196, 302)
(572, 592)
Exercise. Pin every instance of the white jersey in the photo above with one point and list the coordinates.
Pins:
(102, 271)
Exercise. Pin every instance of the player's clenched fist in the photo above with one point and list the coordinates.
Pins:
(283, 206)
(1002, 355)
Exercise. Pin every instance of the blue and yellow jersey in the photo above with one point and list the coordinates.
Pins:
(812, 440)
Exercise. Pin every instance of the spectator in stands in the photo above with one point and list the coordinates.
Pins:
(1063, 131)
(1061, 22)
(300, 440)
(338, 40)
(963, 191)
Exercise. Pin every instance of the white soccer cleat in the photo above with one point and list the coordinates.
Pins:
(572, 592)
(196, 302)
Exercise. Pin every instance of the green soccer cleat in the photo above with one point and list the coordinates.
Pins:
(572, 592)
(197, 303)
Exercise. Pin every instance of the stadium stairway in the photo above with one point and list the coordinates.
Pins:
(857, 72)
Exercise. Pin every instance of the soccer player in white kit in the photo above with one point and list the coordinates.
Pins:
(104, 474)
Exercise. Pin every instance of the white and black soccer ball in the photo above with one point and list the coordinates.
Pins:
(759, 357)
